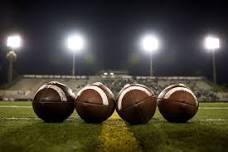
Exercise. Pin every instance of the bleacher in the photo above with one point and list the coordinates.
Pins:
(25, 87)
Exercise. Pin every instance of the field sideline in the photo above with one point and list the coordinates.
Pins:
(21, 130)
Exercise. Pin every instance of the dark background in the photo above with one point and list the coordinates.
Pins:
(112, 31)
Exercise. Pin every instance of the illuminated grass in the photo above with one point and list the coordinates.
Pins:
(207, 131)
(37, 136)
(115, 136)
(4, 103)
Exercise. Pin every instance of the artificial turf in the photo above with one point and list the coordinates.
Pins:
(21, 130)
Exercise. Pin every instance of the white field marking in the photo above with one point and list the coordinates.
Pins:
(219, 119)
(19, 118)
(119, 102)
(204, 108)
(16, 107)
(25, 118)
(98, 90)
(36, 118)
(214, 108)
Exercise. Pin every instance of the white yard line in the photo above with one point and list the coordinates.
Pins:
(26, 118)
(15, 106)
(204, 108)
(21, 118)
(213, 108)
(219, 119)
(69, 119)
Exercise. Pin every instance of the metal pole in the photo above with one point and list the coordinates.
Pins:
(214, 66)
(73, 66)
(10, 74)
(151, 68)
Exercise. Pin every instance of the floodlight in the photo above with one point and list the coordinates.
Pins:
(105, 73)
(150, 43)
(75, 42)
(14, 41)
(211, 43)
(111, 73)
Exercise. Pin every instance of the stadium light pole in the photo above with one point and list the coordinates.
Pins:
(13, 42)
(150, 44)
(75, 43)
(212, 43)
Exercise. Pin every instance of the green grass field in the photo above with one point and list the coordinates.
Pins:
(21, 130)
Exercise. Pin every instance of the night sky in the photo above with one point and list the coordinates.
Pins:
(112, 31)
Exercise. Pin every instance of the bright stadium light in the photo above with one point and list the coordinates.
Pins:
(75, 43)
(150, 43)
(212, 43)
(14, 41)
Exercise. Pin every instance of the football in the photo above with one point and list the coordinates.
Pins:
(136, 104)
(177, 103)
(95, 103)
(53, 102)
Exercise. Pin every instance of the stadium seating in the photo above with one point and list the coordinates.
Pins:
(24, 88)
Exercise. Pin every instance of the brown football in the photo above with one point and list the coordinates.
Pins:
(53, 102)
(95, 103)
(177, 103)
(136, 104)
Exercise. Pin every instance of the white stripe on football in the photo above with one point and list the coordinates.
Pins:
(119, 102)
(98, 90)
